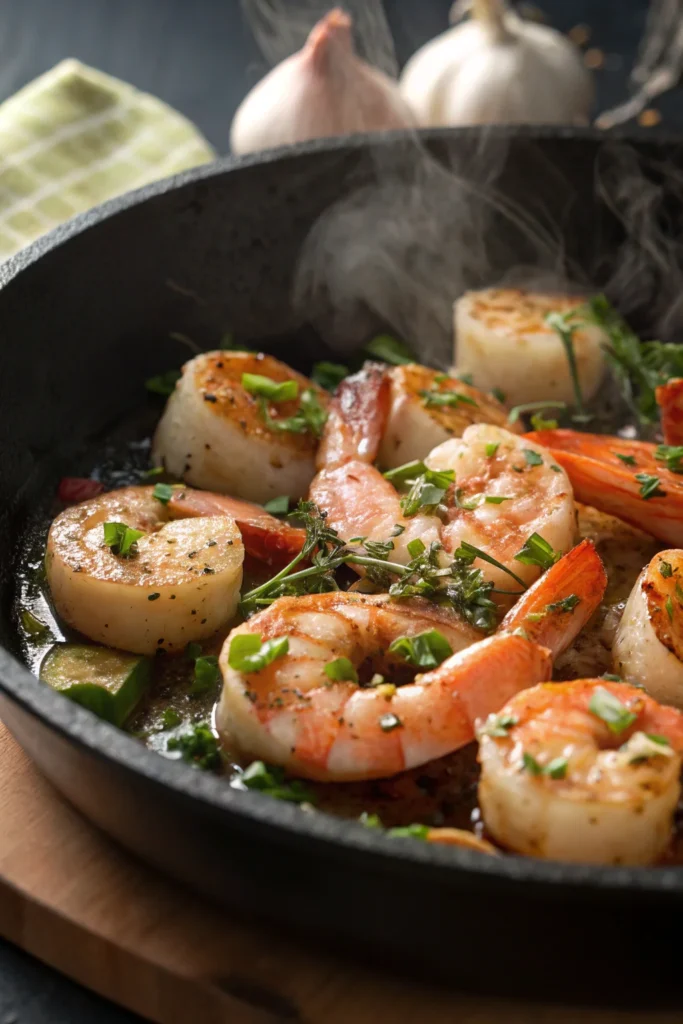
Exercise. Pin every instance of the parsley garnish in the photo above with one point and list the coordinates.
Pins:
(537, 551)
(389, 350)
(669, 605)
(310, 418)
(609, 708)
(491, 449)
(248, 652)
(206, 674)
(341, 670)
(671, 455)
(519, 410)
(270, 780)
(162, 493)
(567, 604)
(555, 769)
(496, 499)
(121, 539)
(199, 747)
(329, 375)
(164, 384)
(425, 650)
(628, 460)
(531, 764)
(31, 624)
(266, 387)
(532, 457)
(427, 491)
(432, 399)
(498, 725)
(649, 486)
(170, 718)
(565, 330)
(467, 552)
(665, 569)
(408, 832)
(498, 394)
(405, 474)
(277, 506)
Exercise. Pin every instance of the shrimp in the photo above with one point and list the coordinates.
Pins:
(503, 340)
(505, 488)
(554, 611)
(265, 537)
(670, 401)
(624, 478)
(178, 581)
(214, 434)
(584, 771)
(648, 644)
(293, 714)
(426, 408)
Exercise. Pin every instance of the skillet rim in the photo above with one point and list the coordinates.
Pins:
(287, 821)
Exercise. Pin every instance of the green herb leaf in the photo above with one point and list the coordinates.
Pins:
(270, 780)
(669, 605)
(496, 499)
(397, 531)
(206, 674)
(468, 552)
(467, 506)
(31, 624)
(498, 394)
(341, 670)
(415, 547)
(329, 375)
(520, 410)
(649, 486)
(492, 448)
(426, 650)
(671, 455)
(405, 474)
(435, 399)
(370, 820)
(277, 506)
(557, 768)
(164, 384)
(611, 678)
(665, 569)
(248, 653)
(614, 714)
(310, 418)
(154, 471)
(537, 551)
(498, 725)
(565, 330)
(389, 350)
(566, 604)
(170, 718)
(162, 493)
(266, 387)
(427, 491)
(193, 651)
(198, 747)
(121, 539)
(628, 460)
(408, 832)
(532, 458)
(531, 764)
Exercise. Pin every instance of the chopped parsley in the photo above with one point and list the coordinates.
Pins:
(532, 458)
(555, 769)
(389, 350)
(425, 650)
(162, 493)
(491, 449)
(329, 375)
(270, 780)
(628, 460)
(643, 746)
(309, 419)
(434, 399)
(206, 674)
(31, 624)
(498, 725)
(567, 604)
(248, 652)
(405, 474)
(669, 605)
(170, 718)
(649, 486)
(498, 394)
(496, 499)
(565, 330)
(614, 714)
(266, 387)
(520, 410)
(427, 491)
(671, 455)
(277, 506)
(537, 551)
(198, 747)
(341, 670)
(121, 539)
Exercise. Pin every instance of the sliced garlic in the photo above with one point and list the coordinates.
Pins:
(502, 340)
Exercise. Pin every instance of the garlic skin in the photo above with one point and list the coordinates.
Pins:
(498, 69)
(502, 340)
(324, 89)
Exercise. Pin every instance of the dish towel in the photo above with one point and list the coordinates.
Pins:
(75, 137)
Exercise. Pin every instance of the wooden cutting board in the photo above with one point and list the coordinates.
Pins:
(73, 899)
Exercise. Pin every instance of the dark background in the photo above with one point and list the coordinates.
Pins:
(199, 56)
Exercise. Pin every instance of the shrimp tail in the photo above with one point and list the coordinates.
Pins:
(670, 401)
(265, 537)
(557, 607)
(621, 477)
(357, 418)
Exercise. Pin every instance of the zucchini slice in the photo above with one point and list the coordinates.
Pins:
(107, 682)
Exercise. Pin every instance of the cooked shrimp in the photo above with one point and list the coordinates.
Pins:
(180, 581)
(215, 434)
(582, 771)
(670, 402)
(526, 491)
(503, 340)
(624, 478)
(426, 408)
(648, 646)
(264, 536)
(293, 714)
(554, 611)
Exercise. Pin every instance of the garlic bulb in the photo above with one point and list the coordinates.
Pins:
(324, 89)
(497, 68)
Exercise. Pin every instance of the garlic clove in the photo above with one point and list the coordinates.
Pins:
(497, 68)
(324, 89)
(502, 340)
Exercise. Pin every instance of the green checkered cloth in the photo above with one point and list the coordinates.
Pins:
(75, 137)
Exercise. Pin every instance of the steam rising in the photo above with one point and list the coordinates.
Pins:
(427, 225)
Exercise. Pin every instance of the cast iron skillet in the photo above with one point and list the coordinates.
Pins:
(85, 318)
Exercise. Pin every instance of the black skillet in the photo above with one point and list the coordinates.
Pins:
(92, 310)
